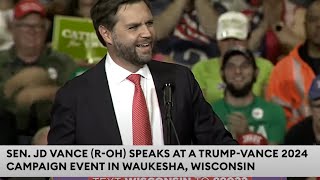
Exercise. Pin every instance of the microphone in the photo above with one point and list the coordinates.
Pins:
(167, 92)
(168, 103)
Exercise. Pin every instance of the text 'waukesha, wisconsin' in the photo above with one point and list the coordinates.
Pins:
(195, 166)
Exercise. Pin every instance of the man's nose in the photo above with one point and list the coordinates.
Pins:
(146, 31)
(238, 69)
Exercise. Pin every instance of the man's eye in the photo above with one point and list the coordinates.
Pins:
(133, 27)
(149, 23)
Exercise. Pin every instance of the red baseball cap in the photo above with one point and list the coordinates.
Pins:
(25, 7)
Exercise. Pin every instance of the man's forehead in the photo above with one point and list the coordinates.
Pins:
(238, 59)
(31, 16)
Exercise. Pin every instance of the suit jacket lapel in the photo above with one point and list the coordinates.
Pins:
(160, 78)
(102, 103)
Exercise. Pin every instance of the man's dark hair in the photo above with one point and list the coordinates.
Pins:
(104, 13)
(238, 51)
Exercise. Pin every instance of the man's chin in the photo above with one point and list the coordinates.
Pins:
(239, 91)
(145, 58)
(238, 88)
(143, 61)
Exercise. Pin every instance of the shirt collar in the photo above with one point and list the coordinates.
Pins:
(120, 74)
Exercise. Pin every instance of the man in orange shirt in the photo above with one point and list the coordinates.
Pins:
(291, 78)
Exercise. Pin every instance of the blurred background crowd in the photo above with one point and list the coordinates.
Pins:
(256, 62)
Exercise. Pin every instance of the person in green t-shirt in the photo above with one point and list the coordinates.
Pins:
(240, 110)
(232, 30)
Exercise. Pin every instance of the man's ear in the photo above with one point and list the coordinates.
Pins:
(106, 34)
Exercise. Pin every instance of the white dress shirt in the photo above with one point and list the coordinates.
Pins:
(122, 91)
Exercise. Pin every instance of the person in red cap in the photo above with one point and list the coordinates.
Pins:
(249, 118)
(30, 72)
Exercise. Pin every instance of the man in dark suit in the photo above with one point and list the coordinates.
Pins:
(101, 106)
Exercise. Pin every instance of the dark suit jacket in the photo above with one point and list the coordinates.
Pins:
(83, 112)
(8, 128)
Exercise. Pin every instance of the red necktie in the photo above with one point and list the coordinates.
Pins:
(141, 128)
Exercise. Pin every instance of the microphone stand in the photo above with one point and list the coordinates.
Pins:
(168, 113)
(168, 108)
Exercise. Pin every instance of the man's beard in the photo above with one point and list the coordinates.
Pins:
(240, 92)
(129, 53)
